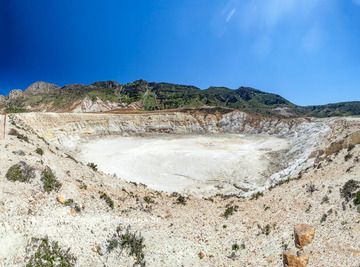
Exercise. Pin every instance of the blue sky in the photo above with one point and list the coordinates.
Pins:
(305, 50)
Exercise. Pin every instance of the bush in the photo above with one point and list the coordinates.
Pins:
(50, 183)
(50, 254)
(357, 198)
(39, 151)
(149, 200)
(181, 200)
(72, 204)
(93, 166)
(229, 211)
(130, 241)
(235, 247)
(20, 172)
(347, 191)
(107, 199)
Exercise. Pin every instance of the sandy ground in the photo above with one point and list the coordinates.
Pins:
(192, 164)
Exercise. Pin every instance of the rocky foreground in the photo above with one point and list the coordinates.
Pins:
(53, 205)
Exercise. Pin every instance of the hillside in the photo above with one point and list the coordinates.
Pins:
(148, 96)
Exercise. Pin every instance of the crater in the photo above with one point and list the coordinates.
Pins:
(196, 164)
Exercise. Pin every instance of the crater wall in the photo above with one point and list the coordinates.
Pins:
(68, 130)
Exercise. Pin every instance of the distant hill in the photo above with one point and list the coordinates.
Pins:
(143, 95)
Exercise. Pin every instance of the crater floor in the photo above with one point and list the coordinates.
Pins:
(197, 164)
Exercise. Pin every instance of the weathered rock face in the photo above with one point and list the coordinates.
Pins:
(88, 105)
(304, 235)
(41, 88)
(291, 260)
(16, 93)
(351, 140)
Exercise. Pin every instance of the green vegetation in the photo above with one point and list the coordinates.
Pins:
(39, 151)
(93, 166)
(15, 106)
(50, 183)
(181, 200)
(357, 198)
(348, 190)
(20, 172)
(156, 96)
(107, 199)
(71, 203)
(235, 247)
(50, 254)
(230, 210)
(149, 200)
(130, 241)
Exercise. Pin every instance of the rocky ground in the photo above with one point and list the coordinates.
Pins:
(82, 209)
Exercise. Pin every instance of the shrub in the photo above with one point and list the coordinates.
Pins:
(229, 211)
(235, 247)
(107, 199)
(20, 172)
(149, 200)
(311, 188)
(71, 203)
(93, 166)
(130, 241)
(50, 183)
(39, 151)
(357, 198)
(257, 195)
(347, 191)
(181, 200)
(50, 254)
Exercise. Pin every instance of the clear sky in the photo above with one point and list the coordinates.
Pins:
(305, 50)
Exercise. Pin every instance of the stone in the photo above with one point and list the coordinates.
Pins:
(61, 199)
(292, 260)
(304, 235)
(201, 254)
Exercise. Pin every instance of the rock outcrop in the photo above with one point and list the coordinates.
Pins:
(292, 260)
(304, 235)
(97, 105)
(41, 88)
(15, 94)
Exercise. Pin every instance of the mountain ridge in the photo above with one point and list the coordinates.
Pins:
(149, 96)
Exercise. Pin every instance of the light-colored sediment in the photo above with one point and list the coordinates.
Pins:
(176, 234)
(196, 164)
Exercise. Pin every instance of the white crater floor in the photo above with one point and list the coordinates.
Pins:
(189, 164)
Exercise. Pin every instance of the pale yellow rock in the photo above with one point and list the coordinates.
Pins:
(61, 199)
(304, 235)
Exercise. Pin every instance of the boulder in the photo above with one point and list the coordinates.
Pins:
(292, 260)
(304, 235)
(41, 88)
